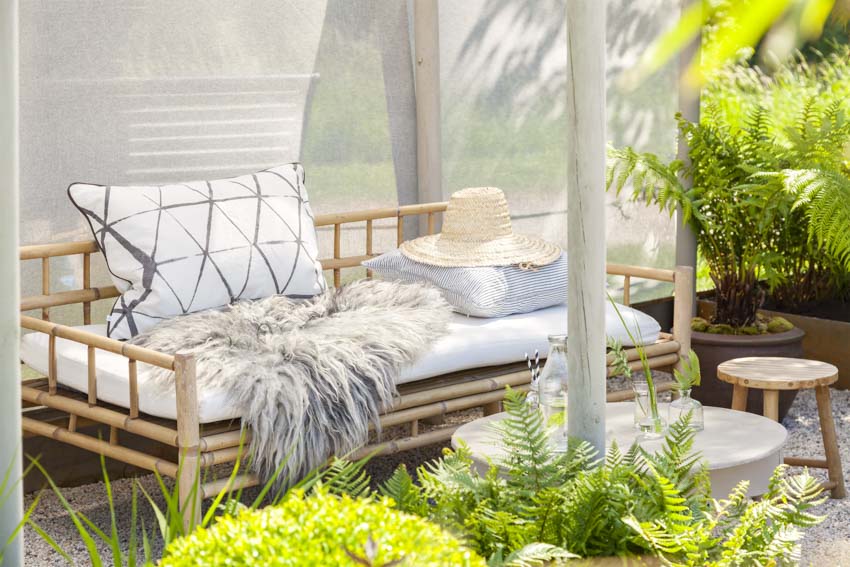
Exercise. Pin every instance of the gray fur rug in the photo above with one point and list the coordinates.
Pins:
(308, 376)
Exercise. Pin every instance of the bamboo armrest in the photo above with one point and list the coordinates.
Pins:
(129, 351)
(642, 272)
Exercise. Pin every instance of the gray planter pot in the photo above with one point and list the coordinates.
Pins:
(716, 349)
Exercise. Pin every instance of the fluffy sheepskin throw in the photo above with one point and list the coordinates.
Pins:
(308, 376)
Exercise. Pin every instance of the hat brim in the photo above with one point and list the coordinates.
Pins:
(508, 251)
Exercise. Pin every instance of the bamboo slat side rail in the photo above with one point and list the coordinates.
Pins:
(656, 274)
(141, 354)
(68, 297)
(36, 251)
(215, 487)
(123, 454)
(102, 415)
(375, 214)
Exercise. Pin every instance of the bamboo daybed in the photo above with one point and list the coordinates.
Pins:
(54, 411)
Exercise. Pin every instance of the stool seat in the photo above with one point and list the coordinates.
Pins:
(777, 373)
(772, 374)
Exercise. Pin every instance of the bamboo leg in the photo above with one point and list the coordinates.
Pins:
(771, 404)
(369, 244)
(188, 441)
(739, 397)
(337, 251)
(830, 443)
(45, 285)
(683, 301)
(86, 285)
(492, 408)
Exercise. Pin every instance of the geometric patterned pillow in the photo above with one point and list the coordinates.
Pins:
(483, 291)
(185, 247)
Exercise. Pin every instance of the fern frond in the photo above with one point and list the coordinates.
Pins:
(529, 457)
(535, 554)
(825, 196)
(651, 179)
(405, 493)
(342, 476)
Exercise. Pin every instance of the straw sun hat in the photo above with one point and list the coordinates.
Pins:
(477, 232)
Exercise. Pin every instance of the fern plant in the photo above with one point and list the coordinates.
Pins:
(546, 507)
(755, 219)
(806, 102)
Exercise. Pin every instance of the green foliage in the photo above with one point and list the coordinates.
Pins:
(689, 376)
(738, 532)
(573, 502)
(807, 104)
(726, 27)
(320, 529)
(340, 476)
(620, 364)
(548, 507)
(768, 196)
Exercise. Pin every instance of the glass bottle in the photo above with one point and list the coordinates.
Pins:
(683, 406)
(552, 392)
(647, 418)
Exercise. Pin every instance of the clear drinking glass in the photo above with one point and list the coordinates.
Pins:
(552, 392)
(686, 405)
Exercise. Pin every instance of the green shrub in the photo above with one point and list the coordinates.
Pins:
(320, 529)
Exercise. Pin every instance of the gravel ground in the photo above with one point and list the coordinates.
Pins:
(826, 545)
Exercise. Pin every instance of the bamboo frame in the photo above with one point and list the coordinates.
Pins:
(199, 446)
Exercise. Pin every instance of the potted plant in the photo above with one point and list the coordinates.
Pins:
(739, 199)
(807, 99)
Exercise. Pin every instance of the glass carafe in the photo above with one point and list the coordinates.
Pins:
(686, 405)
(552, 392)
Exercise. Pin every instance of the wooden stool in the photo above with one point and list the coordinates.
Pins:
(773, 374)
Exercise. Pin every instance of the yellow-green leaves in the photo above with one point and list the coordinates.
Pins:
(320, 529)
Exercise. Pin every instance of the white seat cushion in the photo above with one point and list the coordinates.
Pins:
(113, 377)
(470, 343)
(475, 342)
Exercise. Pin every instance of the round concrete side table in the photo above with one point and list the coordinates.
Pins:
(736, 445)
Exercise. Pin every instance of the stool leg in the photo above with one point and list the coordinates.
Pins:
(739, 397)
(830, 443)
(492, 408)
(771, 404)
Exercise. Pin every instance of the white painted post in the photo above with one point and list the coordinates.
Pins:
(689, 102)
(426, 32)
(586, 138)
(10, 370)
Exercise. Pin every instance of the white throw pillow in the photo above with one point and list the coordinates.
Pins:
(489, 291)
(185, 247)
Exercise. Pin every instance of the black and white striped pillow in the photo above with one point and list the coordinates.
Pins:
(495, 291)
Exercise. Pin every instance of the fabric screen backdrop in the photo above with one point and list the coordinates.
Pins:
(157, 91)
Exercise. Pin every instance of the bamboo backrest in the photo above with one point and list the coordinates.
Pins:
(334, 263)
